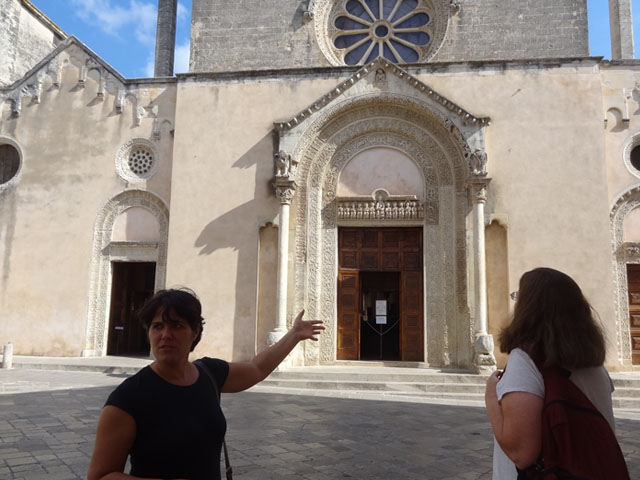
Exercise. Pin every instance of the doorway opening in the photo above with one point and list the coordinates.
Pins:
(380, 325)
(132, 284)
(633, 279)
(380, 294)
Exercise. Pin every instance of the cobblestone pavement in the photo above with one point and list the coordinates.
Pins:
(49, 433)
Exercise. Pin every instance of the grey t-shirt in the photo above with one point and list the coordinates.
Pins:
(523, 376)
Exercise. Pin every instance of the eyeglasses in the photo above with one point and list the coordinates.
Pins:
(514, 295)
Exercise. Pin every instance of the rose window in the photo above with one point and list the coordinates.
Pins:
(398, 30)
(140, 161)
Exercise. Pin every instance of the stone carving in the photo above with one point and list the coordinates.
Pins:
(285, 190)
(323, 149)
(123, 167)
(380, 206)
(285, 165)
(624, 204)
(381, 76)
(478, 163)
(375, 66)
(99, 271)
(455, 7)
(325, 13)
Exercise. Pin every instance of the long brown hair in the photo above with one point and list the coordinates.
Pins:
(554, 323)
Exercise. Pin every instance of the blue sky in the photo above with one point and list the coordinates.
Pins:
(122, 32)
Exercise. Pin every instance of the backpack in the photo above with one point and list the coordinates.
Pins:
(577, 441)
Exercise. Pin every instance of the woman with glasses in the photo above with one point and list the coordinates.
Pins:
(553, 325)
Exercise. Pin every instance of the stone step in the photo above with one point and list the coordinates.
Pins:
(379, 385)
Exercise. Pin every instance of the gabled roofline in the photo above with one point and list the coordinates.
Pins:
(464, 115)
(72, 40)
(46, 21)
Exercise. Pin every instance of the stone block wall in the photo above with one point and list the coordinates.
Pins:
(516, 29)
(24, 40)
(258, 35)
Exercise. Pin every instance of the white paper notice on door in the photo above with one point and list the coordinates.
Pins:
(381, 319)
(381, 307)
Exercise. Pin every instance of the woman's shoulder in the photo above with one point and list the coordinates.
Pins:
(521, 375)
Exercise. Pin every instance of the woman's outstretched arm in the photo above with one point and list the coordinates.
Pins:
(245, 375)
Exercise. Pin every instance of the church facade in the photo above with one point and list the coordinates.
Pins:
(390, 166)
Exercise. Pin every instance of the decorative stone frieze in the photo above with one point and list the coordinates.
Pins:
(380, 206)
(71, 53)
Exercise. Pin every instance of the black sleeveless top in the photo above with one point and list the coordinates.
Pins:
(179, 429)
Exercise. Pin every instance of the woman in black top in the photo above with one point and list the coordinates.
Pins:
(167, 416)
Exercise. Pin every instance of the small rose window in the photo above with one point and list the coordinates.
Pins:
(398, 30)
(140, 160)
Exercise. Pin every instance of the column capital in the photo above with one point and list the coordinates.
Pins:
(478, 189)
(285, 190)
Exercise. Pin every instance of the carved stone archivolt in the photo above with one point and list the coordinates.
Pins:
(102, 251)
(441, 153)
(623, 253)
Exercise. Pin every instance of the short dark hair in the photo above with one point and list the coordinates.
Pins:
(554, 323)
(182, 303)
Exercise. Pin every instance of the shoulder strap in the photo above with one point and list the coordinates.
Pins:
(227, 464)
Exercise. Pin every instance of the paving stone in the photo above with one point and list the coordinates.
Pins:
(274, 436)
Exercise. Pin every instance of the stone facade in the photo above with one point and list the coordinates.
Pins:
(246, 35)
(26, 37)
(235, 179)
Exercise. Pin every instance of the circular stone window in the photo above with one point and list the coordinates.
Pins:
(136, 160)
(9, 163)
(355, 32)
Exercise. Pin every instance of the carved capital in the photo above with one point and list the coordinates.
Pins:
(285, 190)
(478, 190)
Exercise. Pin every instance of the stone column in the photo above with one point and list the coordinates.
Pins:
(165, 38)
(285, 190)
(621, 24)
(484, 359)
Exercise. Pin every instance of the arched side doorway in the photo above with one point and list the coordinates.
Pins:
(113, 261)
(437, 148)
(626, 267)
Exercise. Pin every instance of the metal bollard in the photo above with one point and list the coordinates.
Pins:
(7, 356)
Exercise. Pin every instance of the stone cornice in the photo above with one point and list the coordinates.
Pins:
(471, 66)
(388, 67)
(46, 21)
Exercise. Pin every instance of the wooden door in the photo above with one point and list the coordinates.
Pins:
(132, 284)
(381, 250)
(348, 316)
(412, 344)
(633, 280)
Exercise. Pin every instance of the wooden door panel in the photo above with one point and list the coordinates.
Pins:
(633, 280)
(411, 316)
(348, 316)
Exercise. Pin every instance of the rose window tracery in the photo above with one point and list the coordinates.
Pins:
(399, 30)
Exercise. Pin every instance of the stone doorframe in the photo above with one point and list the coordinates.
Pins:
(623, 253)
(442, 154)
(104, 251)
